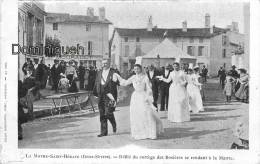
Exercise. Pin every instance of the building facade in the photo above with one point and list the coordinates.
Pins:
(83, 38)
(224, 50)
(31, 19)
(203, 43)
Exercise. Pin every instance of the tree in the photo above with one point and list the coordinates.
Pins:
(52, 47)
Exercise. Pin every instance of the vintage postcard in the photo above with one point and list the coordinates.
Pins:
(129, 81)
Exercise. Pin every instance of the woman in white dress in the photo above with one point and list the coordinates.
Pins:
(144, 121)
(178, 106)
(193, 89)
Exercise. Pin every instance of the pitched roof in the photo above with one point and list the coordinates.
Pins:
(65, 18)
(167, 49)
(176, 32)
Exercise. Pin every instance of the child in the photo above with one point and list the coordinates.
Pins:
(63, 83)
(228, 87)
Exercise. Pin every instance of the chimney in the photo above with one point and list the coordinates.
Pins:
(229, 27)
(207, 20)
(90, 12)
(102, 13)
(235, 26)
(184, 26)
(150, 23)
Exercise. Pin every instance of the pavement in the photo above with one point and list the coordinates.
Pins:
(211, 129)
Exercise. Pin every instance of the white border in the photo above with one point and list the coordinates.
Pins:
(8, 33)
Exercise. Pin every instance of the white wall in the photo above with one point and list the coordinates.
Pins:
(71, 34)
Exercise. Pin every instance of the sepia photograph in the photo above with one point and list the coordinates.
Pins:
(109, 74)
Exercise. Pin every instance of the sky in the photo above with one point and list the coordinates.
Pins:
(166, 14)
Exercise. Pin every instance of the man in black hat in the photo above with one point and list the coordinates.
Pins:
(55, 75)
(81, 75)
(234, 72)
(235, 75)
(164, 88)
(204, 73)
(222, 77)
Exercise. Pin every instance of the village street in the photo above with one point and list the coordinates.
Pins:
(211, 129)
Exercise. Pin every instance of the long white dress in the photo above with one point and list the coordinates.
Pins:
(144, 120)
(178, 106)
(193, 88)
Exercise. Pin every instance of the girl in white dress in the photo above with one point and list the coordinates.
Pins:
(178, 106)
(144, 120)
(193, 89)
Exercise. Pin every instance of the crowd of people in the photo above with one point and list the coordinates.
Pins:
(56, 74)
(196, 76)
(234, 83)
(59, 77)
(180, 92)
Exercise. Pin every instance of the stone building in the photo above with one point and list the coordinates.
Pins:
(82, 37)
(206, 44)
(31, 16)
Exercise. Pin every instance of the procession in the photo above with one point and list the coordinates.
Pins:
(154, 87)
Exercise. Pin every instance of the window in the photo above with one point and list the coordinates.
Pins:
(125, 67)
(29, 30)
(190, 50)
(88, 27)
(224, 53)
(201, 40)
(55, 26)
(137, 39)
(90, 50)
(138, 51)
(224, 40)
(200, 50)
(126, 50)
(191, 40)
(94, 63)
(126, 39)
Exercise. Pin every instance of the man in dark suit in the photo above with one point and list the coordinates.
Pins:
(41, 74)
(222, 77)
(164, 88)
(55, 75)
(91, 77)
(105, 89)
(31, 86)
(204, 73)
(152, 73)
(81, 75)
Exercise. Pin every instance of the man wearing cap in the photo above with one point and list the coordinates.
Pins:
(152, 73)
(164, 88)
